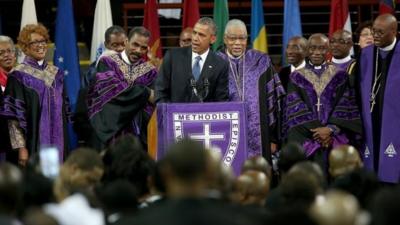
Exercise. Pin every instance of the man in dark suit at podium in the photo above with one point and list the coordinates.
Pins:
(194, 74)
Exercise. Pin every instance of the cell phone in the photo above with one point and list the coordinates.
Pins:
(49, 162)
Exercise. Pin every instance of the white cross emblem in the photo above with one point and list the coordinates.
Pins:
(207, 136)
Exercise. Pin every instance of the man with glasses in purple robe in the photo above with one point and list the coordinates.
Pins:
(379, 80)
(320, 110)
(253, 80)
(341, 44)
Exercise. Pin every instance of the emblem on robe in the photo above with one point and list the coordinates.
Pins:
(366, 152)
(390, 151)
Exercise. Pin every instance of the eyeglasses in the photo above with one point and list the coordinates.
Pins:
(36, 44)
(6, 51)
(338, 41)
(378, 32)
(241, 38)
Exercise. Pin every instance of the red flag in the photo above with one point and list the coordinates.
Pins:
(387, 6)
(340, 16)
(191, 13)
(151, 22)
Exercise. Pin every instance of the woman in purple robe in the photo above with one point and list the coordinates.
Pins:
(35, 103)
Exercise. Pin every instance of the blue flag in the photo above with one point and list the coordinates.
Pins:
(291, 24)
(66, 56)
(258, 33)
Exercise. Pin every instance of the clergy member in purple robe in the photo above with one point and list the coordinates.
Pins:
(341, 44)
(253, 80)
(379, 80)
(320, 111)
(120, 101)
(35, 103)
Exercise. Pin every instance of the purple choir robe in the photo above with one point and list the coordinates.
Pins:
(35, 98)
(119, 97)
(337, 106)
(252, 79)
(389, 147)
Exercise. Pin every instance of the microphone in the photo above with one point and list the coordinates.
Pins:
(194, 88)
(206, 85)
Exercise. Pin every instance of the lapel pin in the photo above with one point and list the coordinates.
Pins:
(210, 66)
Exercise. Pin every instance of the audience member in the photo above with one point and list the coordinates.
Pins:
(337, 208)
(342, 160)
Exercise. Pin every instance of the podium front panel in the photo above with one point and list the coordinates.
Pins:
(219, 127)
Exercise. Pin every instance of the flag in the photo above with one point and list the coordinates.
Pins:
(291, 24)
(387, 6)
(340, 16)
(170, 13)
(28, 17)
(258, 31)
(66, 56)
(151, 22)
(28, 13)
(102, 21)
(191, 13)
(221, 17)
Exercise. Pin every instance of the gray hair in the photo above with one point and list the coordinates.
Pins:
(235, 23)
(4, 39)
(210, 23)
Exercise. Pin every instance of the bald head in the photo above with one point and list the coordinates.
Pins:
(384, 30)
(296, 50)
(257, 163)
(337, 208)
(318, 46)
(252, 188)
(344, 159)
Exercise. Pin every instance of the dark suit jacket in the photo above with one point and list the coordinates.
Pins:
(173, 83)
(284, 76)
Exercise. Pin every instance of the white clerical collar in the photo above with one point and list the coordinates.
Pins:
(125, 58)
(341, 61)
(203, 56)
(232, 56)
(317, 67)
(302, 65)
(389, 47)
(40, 62)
